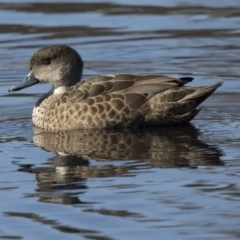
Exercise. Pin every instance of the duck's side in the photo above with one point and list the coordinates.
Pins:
(122, 100)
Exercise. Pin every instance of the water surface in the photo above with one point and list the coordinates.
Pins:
(172, 182)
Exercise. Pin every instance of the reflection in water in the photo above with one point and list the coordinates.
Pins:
(52, 223)
(156, 147)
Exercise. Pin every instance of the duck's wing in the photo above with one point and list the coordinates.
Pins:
(121, 98)
(146, 85)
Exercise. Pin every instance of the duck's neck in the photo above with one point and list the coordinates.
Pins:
(44, 96)
(53, 91)
(59, 90)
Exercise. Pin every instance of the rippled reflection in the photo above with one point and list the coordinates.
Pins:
(155, 147)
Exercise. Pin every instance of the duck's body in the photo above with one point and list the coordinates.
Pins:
(107, 101)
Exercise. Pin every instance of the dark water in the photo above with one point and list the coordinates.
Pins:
(176, 183)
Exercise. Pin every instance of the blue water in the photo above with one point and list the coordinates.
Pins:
(178, 183)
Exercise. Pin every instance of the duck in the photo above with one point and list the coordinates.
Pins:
(108, 101)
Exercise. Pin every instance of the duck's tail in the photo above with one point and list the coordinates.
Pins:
(179, 105)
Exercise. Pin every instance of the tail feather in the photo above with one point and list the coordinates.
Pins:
(186, 80)
(177, 110)
(202, 93)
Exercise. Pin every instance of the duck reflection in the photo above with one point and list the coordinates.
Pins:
(86, 154)
(161, 147)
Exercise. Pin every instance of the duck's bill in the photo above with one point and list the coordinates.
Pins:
(27, 82)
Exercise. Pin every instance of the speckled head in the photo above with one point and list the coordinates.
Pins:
(58, 65)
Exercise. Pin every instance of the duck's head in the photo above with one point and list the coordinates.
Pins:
(58, 65)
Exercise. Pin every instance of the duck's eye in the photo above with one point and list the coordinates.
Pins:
(46, 62)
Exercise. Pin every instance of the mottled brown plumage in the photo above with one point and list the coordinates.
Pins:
(121, 100)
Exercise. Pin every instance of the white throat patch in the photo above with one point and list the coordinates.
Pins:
(59, 90)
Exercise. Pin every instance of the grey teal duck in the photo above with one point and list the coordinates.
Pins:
(116, 100)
